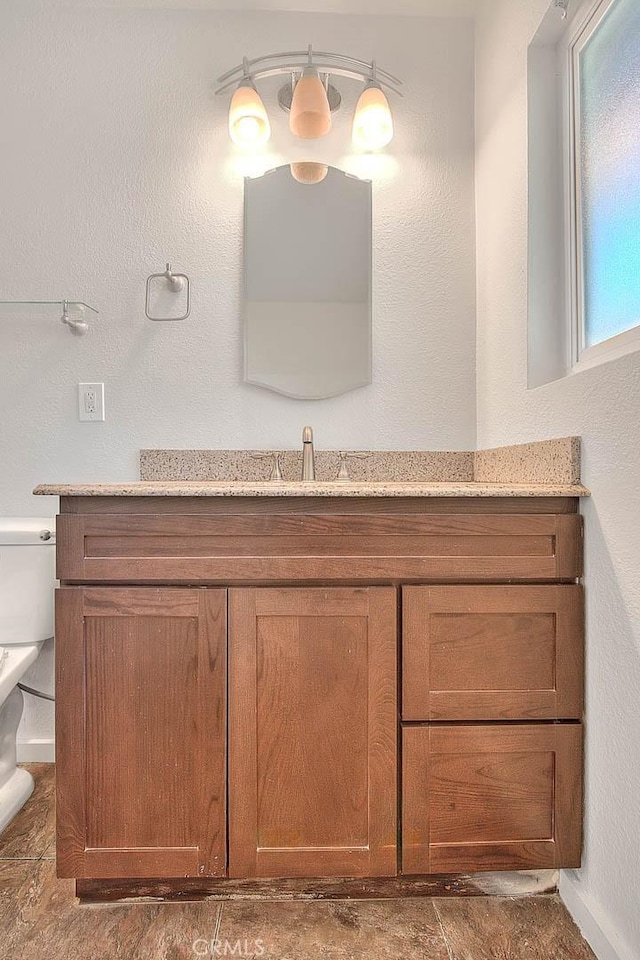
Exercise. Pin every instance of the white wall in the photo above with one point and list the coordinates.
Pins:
(603, 406)
(114, 157)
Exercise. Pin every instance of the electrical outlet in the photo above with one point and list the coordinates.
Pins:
(91, 401)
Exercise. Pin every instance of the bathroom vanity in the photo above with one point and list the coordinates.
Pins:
(326, 680)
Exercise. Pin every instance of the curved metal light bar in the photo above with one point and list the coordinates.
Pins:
(336, 64)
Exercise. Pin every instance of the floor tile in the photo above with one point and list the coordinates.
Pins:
(16, 878)
(48, 922)
(40, 917)
(496, 928)
(50, 852)
(33, 829)
(346, 930)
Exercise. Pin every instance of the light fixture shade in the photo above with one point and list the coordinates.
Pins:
(310, 116)
(309, 171)
(372, 122)
(248, 120)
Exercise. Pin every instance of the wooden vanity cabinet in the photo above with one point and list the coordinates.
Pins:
(340, 764)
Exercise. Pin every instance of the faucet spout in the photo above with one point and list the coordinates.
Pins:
(308, 455)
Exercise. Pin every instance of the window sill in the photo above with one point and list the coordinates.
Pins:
(612, 349)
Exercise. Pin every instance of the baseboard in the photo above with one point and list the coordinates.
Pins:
(36, 751)
(595, 928)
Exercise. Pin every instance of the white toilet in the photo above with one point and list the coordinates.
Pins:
(27, 581)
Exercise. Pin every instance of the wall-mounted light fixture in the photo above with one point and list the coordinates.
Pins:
(310, 97)
(372, 123)
(248, 120)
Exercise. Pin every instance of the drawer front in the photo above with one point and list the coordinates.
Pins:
(491, 797)
(305, 547)
(493, 652)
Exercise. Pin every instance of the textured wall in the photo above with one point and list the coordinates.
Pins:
(603, 406)
(114, 157)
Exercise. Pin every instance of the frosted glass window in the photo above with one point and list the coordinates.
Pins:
(608, 170)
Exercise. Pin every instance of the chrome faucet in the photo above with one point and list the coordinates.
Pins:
(308, 455)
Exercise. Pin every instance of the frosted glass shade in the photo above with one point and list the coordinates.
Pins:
(372, 122)
(248, 121)
(309, 171)
(310, 116)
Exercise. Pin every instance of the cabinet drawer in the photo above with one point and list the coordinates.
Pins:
(491, 797)
(493, 652)
(233, 548)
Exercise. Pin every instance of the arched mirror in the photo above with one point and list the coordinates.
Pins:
(307, 281)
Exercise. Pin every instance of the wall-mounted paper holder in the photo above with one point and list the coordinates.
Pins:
(176, 283)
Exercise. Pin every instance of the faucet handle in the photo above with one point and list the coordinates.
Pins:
(274, 456)
(343, 471)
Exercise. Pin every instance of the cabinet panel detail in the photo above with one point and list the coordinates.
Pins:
(265, 548)
(491, 797)
(312, 732)
(493, 652)
(141, 687)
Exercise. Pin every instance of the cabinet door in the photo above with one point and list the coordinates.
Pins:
(493, 652)
(312, 732)
(140, 732)
(491, 797)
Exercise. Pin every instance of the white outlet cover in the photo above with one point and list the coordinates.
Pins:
(91, 402)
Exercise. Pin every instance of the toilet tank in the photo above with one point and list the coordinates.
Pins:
(27, 579)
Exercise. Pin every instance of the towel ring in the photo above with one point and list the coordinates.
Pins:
(176, 283)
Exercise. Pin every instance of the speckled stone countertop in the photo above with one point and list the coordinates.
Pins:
(319, 488)
(548, 468)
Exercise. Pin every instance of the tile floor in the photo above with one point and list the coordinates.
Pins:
(40, 918)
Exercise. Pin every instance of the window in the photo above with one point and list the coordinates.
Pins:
(605, 188)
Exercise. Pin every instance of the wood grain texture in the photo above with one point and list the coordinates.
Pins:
(493, 652)
(70, 741)
(34, 824)
(198, 506)
(524, 884)
(570, 546)
(142, 784)
(312, 732)
(269, 548)
(491, 797)
(313, 722)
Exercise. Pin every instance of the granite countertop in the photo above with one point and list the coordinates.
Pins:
(316, 488)
(547, 468)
